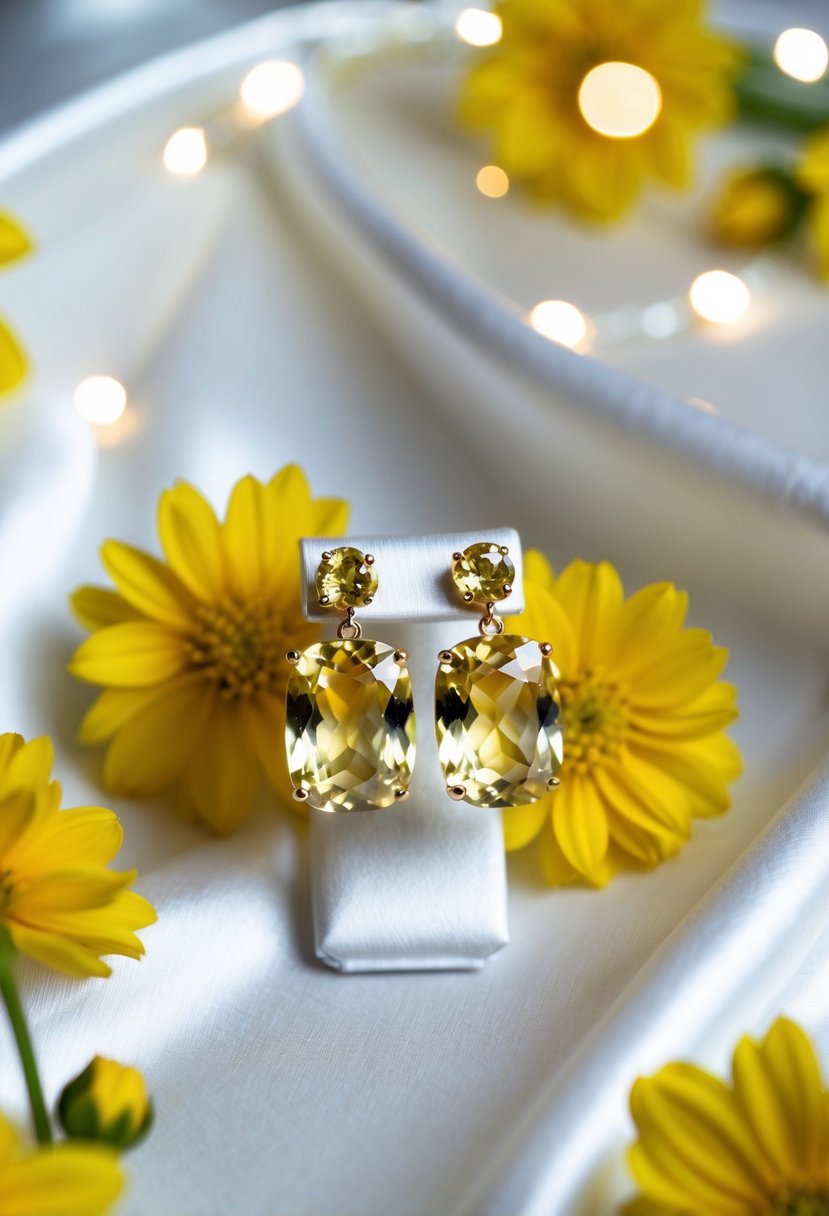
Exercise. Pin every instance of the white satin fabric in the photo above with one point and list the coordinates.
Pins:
(263, 313)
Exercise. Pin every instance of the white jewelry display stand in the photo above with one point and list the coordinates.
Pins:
(420, 886)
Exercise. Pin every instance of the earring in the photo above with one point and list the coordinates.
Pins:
(350, 725)
(496, 699)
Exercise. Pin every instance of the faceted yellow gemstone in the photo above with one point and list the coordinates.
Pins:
(484, 573)
(345, 579)
(350, 728)
(496, 714)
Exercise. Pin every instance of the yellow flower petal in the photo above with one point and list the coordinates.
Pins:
(189, 533)
(15, 242)
(636, 841)
(712, 711)
(91, 835)
(97, 607)
(523, 823)
(555, 866)
(580, 826)
(778, 1086)
(701, 769)
(31, 764)
(591, 596)
(17, 810)
(651, 616)
(131, 655)
(222, 776)
(63, 1180)
(264, 721)
(60, 953)
(692, 1129)
(329, 516)
(638, 792)
(114, 708)
(538, 570)
(249, 535)
(545, 619)
(13, 364)
(680, 675)
(148, 585)
(155, 744)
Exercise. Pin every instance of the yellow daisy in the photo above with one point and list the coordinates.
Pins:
(757, 1147)
(61, 1180)
(58, 901)
(191, 650)
(756, 207)
(655, 68)
(14, 244)
(643, 715)
(813, 176)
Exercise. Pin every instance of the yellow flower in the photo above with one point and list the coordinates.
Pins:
(58, 901)
(813, 176)
(191, 650)
(756, 207)
(757, 1147)
(528, 91)
(14, 244)
(61, 1180)
(108, 1102)
(643, 717)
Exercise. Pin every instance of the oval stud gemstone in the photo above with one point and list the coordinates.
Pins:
(497, 719)
(350, 726)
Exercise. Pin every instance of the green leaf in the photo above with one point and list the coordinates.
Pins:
(14, 240)
(13, 363)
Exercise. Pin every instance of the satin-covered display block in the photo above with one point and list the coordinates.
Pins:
(420, 886)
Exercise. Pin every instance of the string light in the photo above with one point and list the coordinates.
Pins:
(559, 321)
(272, 88)
(185, 152)
(620, 100)
(100, 399)
(492, 181)
(802, 54)
(477, 27)
(719, 297)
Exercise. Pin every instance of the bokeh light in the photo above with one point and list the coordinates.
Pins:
(802, 54)
(620, 100)
(560, 321)
(492, 181)
(185, 152)
(478, 27)
(100, 399)
(272, 88)
(720, 297)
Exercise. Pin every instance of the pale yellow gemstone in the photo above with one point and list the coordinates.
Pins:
(350, 729)
(497, 720)
(345, 579)
(484, 573)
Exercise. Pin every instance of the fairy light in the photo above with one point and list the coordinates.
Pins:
(620, 100)
(185, 152)
(477, 27)
(100, 399)
(272, 88)
(492, 181)
(719, 296)
(559, 321)
(802, 54)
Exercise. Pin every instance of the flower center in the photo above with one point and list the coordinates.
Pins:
(240, 646)
(814, 1204)
(595, 719)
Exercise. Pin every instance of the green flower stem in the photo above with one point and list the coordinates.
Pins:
(11, 998)
(767, 95)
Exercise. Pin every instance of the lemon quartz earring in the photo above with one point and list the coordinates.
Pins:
(500, 743)
(350, 725)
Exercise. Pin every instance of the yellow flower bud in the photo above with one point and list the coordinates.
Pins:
(107, 1102)
(756, 207)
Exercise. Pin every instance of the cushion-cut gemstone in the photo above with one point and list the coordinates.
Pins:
(484, 572)
(496, 714)
(350, 729)
(345, 579)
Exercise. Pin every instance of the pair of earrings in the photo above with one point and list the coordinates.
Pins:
(350, 729)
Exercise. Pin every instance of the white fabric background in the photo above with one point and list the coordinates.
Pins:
(256, 319)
